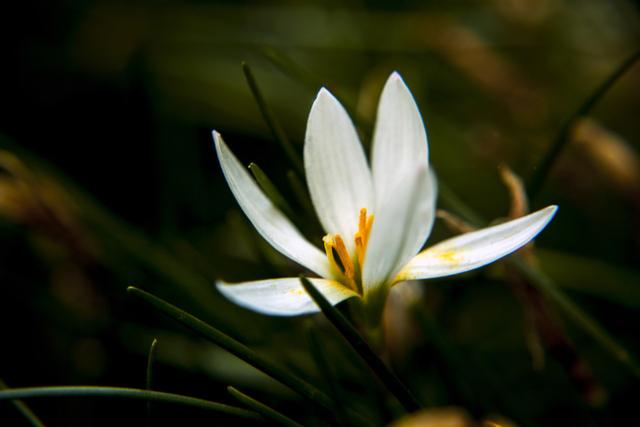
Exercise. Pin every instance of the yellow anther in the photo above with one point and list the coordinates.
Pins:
(345, 259)
(362, 235)
(339, 258)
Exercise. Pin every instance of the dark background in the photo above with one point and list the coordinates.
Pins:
(109, 179)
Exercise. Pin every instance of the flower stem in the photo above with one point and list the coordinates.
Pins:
(388, 378)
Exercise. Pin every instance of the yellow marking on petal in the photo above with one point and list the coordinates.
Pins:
(297, 291)
(451, 256)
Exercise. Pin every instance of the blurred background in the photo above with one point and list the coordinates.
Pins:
(108, 179)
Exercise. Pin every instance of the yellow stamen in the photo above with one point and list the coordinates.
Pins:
(362, 221)
(368, 229)
(345, 259)
(329, 245)
(360, 248)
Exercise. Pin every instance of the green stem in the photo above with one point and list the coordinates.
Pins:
(264, 410)
(23, 408)
(377, 366)
(271, 120)
(562, 138)
(128, 393)
(235, 347)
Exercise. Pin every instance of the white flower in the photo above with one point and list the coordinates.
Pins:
(376, 219)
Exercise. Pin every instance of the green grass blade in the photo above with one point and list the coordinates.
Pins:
(324, 367)
(23, 408)
(573, 311)
(264, 410)
(270, 190)
(127, 393)
(151, 358)
(235, 347)
(562, 138)
(271, 120)
(388, 378)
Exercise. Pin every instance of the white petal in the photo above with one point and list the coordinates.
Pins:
(400, 149)
(422, 219)
(391, 237)
(265, 217)
(338, 176)
(405, 193)
(476, 249)
(283, 297)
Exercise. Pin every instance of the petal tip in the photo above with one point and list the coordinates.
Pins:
(395, 76)
(324, 94)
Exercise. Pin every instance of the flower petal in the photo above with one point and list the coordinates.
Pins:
(476, 249)
(391, 236)
(274, 227)
(399, 150)
(283, 297)
(338, 176)
(405, 190)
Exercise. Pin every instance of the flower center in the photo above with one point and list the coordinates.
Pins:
(348, 269)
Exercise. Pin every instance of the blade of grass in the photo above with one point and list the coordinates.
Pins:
(388, 378)
(130, 242)
(546, 286)
(456, 204)
(264, 410)
(270, 190)
(551, 290)
(319, 357)
(235, 347)
(124, 392)
(562, 138)
(271, 120)
(23, 408)
(301, 193)
(151, 358)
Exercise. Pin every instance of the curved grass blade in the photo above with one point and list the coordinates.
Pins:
(132, 243)
(124, 392)
(151, 358)
(271, 190)
(264, 410)
(546, 286)
(561, 139)
(388, 378)
(23, 408)
(320, 358)
(235, 347)
(272, 121)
